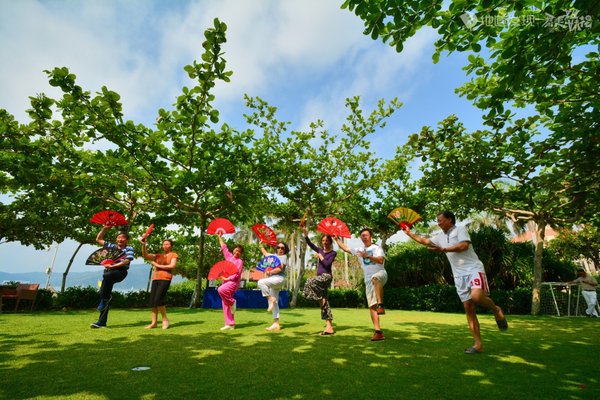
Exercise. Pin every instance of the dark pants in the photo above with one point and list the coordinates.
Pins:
(158, 292)
(109, 278)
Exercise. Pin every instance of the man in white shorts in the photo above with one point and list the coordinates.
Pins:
(372, 258)
(469, 274)
(588, 290)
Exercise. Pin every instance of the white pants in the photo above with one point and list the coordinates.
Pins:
(271, 286)
(590, 298)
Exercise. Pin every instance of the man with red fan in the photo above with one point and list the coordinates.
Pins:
(372, 258)
(469, 275)
(163, 265)
(113, 273)
(230, 283)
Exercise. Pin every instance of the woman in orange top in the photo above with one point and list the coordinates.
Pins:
(163, 264)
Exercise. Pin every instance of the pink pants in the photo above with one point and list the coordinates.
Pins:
(226, 291)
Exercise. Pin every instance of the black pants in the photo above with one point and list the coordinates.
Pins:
(109, 278)
(158, 292)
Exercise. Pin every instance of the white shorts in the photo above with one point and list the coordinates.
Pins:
(370, 290)
(464, 284)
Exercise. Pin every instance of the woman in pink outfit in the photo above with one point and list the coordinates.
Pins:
(230, 283)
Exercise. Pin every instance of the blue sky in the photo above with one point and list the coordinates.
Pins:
(304, 57)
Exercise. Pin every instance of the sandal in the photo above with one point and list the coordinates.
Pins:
(325, 333)
(472, 350)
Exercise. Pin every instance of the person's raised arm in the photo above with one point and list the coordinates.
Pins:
(100, 236)
(263, 250)
(342, 245)
(417, 238)
(145, 254)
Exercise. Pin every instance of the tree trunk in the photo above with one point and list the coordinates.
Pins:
(149, 279)
(64, 278)
(540, 231)
(197, 298)
(300, 274)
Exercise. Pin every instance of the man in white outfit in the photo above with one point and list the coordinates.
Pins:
(588, 290)
(372, 258)
(469, 274)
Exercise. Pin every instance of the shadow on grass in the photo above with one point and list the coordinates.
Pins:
(421, 358)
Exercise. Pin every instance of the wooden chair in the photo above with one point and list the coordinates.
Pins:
(26, 291)
(7, 292)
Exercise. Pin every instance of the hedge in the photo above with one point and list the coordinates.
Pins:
(440, 298)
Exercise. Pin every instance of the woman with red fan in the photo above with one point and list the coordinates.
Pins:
(114, 272)
(272, 283)
(316, 288)
(163, 265)
(230, 283)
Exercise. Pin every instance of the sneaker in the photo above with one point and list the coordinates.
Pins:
(228, 328)
(234, 307)
(97, 325)
(380, 309)
(378, 336)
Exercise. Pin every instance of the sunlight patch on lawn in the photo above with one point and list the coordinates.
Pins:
(378, 365)
(302, 349)
(204, 353)
(512, 359)
(339, 361)
(473, 372)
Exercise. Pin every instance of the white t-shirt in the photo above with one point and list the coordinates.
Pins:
(464, 262)
(369, 266)
(283, 260)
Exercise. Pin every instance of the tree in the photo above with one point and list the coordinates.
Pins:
(506, 172)
(527, 64)
(536, 57)
(185, 172)
(318, 171)
(581, 244)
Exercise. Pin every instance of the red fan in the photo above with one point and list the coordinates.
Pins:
(108, 217)
(265, 234)
(334, 227)
(220, 226)
(148, 231)
(222, 269)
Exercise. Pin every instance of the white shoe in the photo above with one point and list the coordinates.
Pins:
(228, 328)
(234, 307)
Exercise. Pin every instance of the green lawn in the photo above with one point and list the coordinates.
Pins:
(56, 356)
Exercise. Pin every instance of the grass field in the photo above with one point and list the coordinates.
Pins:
(57, 356)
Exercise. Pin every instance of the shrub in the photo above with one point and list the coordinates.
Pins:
(346, 298)
(77, 297)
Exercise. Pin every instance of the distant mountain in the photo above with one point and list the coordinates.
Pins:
(137, 278)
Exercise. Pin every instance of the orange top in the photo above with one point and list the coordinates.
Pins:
(164, 274)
